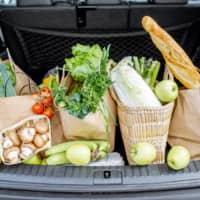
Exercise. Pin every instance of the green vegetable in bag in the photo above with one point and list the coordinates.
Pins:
(7, 80)
(87, 95)
(86, 60)
(148, 69)
(130, 87)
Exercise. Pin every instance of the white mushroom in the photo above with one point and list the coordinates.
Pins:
(27, 150)
(7, 142)
(41, 126)
(26, 134)
(11, 155)
(41, 140)
(14, 137)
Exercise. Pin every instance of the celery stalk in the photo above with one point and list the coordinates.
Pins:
(155, 70)
(137, 64)
(142, 65)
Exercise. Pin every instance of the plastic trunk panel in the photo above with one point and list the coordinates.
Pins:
(92, 179)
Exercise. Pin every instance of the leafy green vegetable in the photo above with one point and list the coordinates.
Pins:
(86, 97)
(92, 92)
(59, 95)
(88, 67)
(86, 60)
(148, 69)
(7, 81)
(11, 75)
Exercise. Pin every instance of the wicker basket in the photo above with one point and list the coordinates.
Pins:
(144, 124)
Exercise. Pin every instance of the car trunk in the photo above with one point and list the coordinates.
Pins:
(39, 35)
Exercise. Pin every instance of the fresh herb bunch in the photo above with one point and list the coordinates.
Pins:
(92, 92)
(87, 97)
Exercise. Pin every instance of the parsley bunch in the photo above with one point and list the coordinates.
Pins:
(92, 92)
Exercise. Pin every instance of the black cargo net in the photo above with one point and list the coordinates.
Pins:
(46, 50)
(196, 57)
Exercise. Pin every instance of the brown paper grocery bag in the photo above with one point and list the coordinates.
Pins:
(92, 127)
(185, 123)
(57, 131)
(24, 84)
(17, 108)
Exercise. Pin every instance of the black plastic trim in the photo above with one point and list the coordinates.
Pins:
(189, 194)
(79, 180)
(73, 34)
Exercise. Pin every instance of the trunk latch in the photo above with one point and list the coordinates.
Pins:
(107, 176)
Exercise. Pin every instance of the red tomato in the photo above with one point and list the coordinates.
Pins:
(47, 101)
(38, 108)
(48, 112)
(45, 92)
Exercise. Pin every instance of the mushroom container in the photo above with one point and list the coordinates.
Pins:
(24, 139)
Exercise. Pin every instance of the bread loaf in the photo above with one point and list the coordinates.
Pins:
(175, 57)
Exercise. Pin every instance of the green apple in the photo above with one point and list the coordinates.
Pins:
(143, 153)
(178, 157)
(166, 91)
(34, 160)
(78, 154)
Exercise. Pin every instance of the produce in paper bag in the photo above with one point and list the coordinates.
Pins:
(93, 126)
(86, 108)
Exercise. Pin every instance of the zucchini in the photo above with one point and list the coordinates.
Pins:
(57, 159)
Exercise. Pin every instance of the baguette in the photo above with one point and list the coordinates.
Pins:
(175, 57)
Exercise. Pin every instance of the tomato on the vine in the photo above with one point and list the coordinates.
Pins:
(45, 92)
(38, 108)
(48, 112)
(47, 101)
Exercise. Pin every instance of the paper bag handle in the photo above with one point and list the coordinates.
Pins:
(167, 74)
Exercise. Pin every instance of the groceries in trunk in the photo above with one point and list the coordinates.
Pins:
(82, 101)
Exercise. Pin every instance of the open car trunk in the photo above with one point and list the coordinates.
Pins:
(39, 35)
